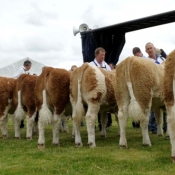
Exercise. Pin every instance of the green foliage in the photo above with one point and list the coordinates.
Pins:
(21, 157)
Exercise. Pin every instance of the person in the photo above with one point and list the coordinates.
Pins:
(99, 61)
(137, 52)
(151, 51)
(161, 53)
(22, 70)
(112, 66)
(73, 68)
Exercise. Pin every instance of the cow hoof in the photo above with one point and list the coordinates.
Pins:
(17, 138)
(160, 135)
(173, 159)
(29, 138)
(91, 145)
(56, 144)
(146, 144)
(73, 136)
(4, 137)
(167, 137)
(41, 146)
(103, 136)
(79, 144)
(123, 146)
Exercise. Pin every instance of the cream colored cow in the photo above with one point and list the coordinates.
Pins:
(7, 86)
(91, 90)
(169, 95)
(52, 96)
(139, 89)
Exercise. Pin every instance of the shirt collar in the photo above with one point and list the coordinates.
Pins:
(103, 63)
(24, 68)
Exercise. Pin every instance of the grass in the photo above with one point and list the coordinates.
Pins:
(21, 157)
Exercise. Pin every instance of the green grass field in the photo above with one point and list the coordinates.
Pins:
(20, 157)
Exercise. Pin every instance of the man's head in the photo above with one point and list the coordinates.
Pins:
(27, 64)
(137, 52)
(100, 54)
(150, 50)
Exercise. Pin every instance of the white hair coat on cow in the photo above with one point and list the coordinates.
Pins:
(52, 96)
(93, 88)
(169, 95)
(24, 97)
(7, 86)
(139, 89)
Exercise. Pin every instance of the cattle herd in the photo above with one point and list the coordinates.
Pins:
(135, 88)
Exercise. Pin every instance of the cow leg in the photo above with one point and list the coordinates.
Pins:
(76, 120)
(45, 116)
(91, 116)
(17, 128)
(116, 118)
(30, 124)
(61, 126)
(104, 121)
(35, 127)
(56, 128)
(76, 126)
(159, 120)
(73, 129)
(41, 139)
(122, 118)
(171, 129)
(65, 126)
(144, 127)
(3, 126)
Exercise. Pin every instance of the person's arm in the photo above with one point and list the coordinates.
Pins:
(18, 73)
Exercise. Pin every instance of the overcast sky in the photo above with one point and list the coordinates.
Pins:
(43, 29)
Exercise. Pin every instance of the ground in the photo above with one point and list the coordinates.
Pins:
(23, 157)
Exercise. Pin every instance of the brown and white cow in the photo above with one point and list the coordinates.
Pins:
(7, 86)
(52, 96)
(169, 98)
(139, 89)
(24, 97)
(91, 89)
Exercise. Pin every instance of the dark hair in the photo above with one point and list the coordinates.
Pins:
(136, 50)
(27, 63)
(97, 50)
(163, 54)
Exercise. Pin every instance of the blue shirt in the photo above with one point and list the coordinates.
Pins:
(158, 60)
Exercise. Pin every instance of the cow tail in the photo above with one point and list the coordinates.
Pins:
(45, 115)
(79, 106)
(19, 112)
(134, 109)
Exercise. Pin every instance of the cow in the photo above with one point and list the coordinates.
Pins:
(52, 96)
(169, 98)
(7, 86)
(91, 91)
(24, 101)
(138, 90)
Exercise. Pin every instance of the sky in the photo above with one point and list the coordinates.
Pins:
(43, 30)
